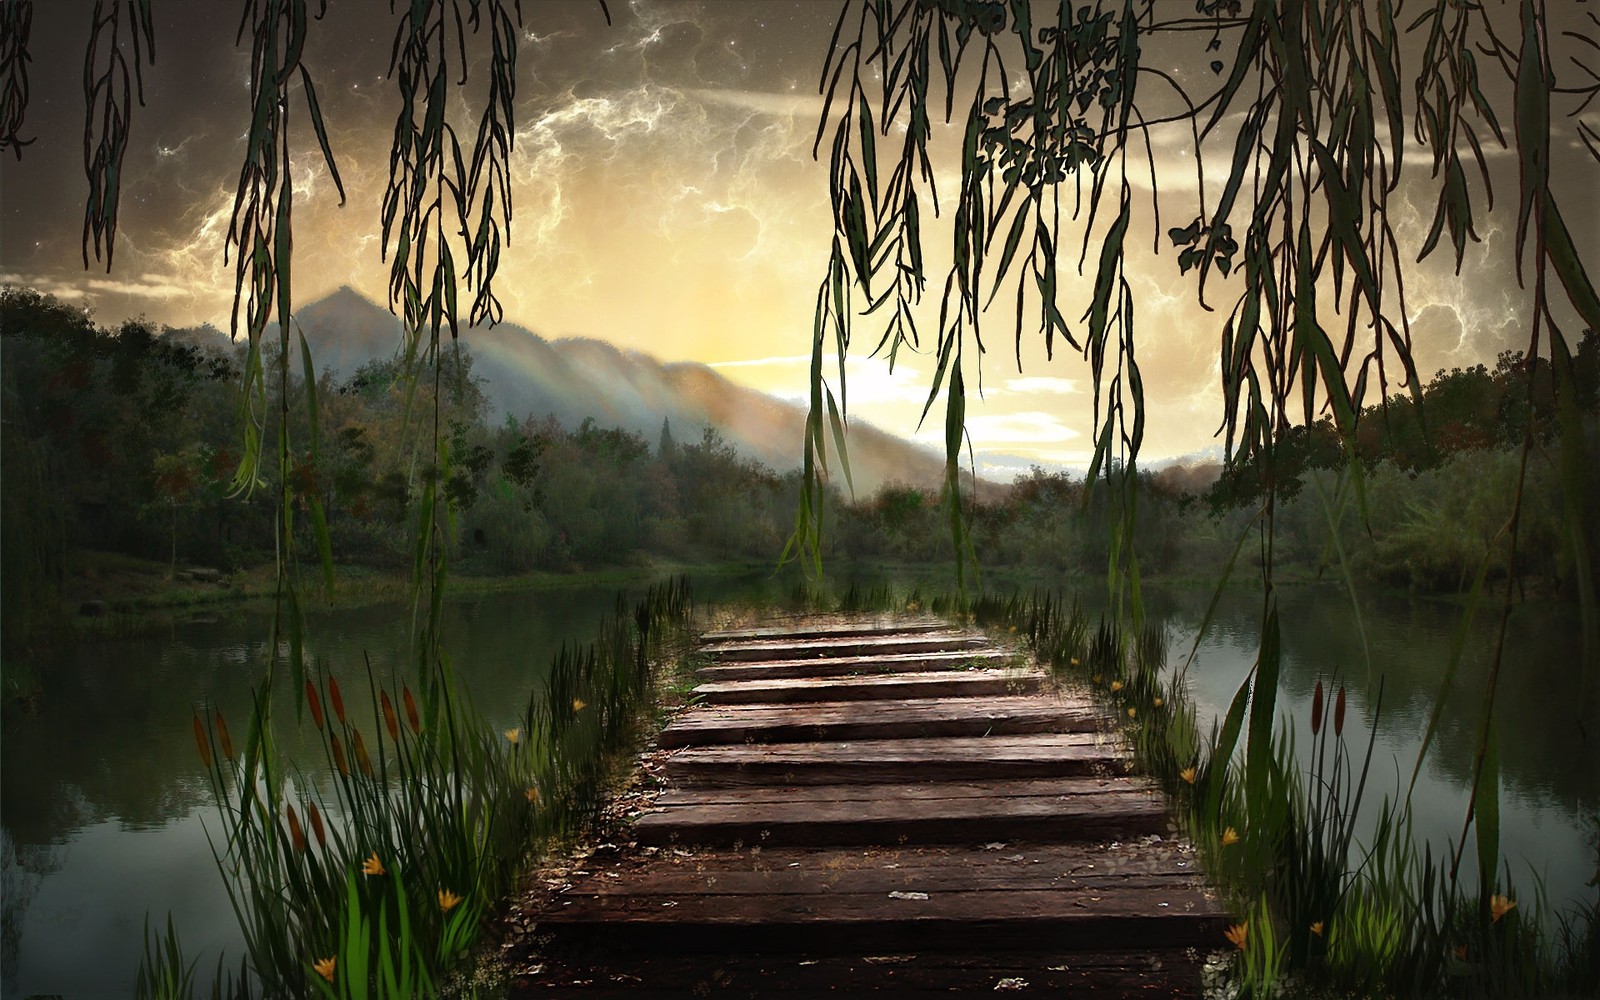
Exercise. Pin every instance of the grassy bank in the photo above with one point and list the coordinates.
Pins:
(378, 880)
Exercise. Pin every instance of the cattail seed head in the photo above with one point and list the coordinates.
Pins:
(335, 697)
(411, 710)
(297, 836)
(1316, 709)
(338, 756)
(388, 717)
(316, 824)
(314, 703)
(362, 760)
(201, 742)
(222, 736)
(1338, 713)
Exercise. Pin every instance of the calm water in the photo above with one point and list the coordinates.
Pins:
(105, 809)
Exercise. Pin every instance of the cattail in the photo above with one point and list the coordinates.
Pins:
(388, 717)
(411, 710)
(316, 823)
(222, 736)
(335, 697)
(297, 836)
(362, 760)
(201, 741)
(338, 756)
(1316, 709)
(1338, 713)
(314, 702)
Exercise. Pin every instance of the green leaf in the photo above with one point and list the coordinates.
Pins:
(869, 148)
(1486, 807)
(838, 442)
(1263, 708)
(322, 131)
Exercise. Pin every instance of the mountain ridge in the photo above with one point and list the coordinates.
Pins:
(573, 378)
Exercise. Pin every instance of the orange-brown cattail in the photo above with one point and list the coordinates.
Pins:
(362, 760)
(297, 836)
(314, 703)
(411, 710)
(338, 756)
(335, 697)
(1338, 713)
(201, 741)
(388, 717)
(316, 823)
(222, 736)
(1316, 709)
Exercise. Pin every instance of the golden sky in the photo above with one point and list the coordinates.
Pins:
(666, 201)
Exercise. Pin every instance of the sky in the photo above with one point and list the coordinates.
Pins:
(666, 200)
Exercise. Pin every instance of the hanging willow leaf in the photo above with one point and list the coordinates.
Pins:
(108, 92)
(16, 21)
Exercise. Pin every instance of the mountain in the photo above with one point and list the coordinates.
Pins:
(573, 378)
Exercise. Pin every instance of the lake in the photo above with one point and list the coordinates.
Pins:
(105, 806)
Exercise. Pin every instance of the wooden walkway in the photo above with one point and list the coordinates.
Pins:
(866, 805)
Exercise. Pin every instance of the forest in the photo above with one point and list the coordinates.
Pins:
(125, 440)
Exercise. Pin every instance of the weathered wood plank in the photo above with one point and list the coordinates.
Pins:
(906, 814)
(1034, 755)
(994, 789)
(790, 649)
(840, 666)
(992, 919)
(807, 628)
(1150, 974)
(1000, 714)
(928, 684)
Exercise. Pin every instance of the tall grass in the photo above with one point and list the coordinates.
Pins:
(376, 881)
(1320, 911)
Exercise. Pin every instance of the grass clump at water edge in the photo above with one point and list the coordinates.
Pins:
(377, 880)
(1319, 911)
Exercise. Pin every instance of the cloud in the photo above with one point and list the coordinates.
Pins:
(1010, 429)
(781, 105)
(1042, 384)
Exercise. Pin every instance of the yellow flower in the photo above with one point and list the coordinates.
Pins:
(1116, 686)
(1075, 661)
(514, 735)
(1461, 953)
(1187, 774)
(448, 900)
(1156, 703)
(1013, 630)
(1132, 711)
(1237, 935)
(324, 967)
(1499, 906)
(532, 794)
(578, 704)
(1230, 836)
(372, 866)
(1095, 678)
(1316, 928)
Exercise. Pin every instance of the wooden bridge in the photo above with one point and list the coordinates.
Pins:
(864, 805)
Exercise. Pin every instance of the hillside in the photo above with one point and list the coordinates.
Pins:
(572, 378)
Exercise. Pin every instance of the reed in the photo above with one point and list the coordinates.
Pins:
(376, 880)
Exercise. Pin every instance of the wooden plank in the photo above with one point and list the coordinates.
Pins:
(993, 919)
(906, 814)
(836, 721)
(1034, 755)
(1151, 974)
(926, 684)
(840, 666)
(994, 789)
(810, 628)
(790, 649)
